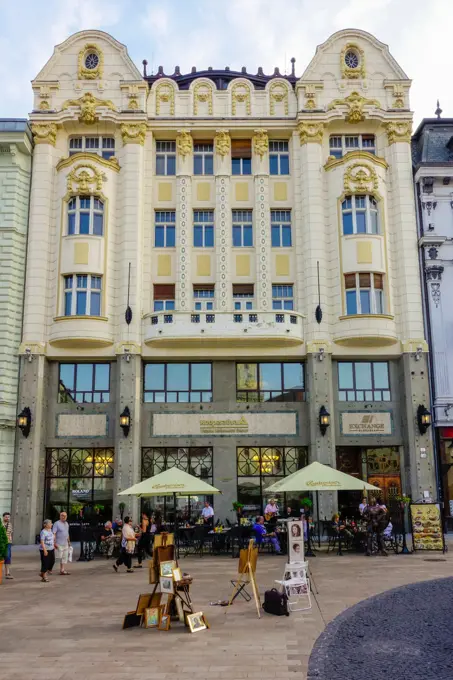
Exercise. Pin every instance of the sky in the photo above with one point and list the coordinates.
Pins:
(233, 33)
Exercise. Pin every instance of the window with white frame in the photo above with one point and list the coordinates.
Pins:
(85, 216)
(243, 296)
(281, 228)
(342, 144)
(102, 146)
(164, 297)
(82, 295)
(203, 228)
(278, 158)
(203, 296)
(242, 229)
(164, 229)
(165, 158)
(360, 215)
(282, 297)
(364, 293)
(203, 158)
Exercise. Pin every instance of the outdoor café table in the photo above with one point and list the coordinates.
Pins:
(220, 541)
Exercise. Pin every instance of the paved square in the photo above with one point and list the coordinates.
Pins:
(71, 628)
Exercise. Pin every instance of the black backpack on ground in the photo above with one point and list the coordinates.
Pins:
(275, 603)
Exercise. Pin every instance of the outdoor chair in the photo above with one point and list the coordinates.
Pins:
(332, 536)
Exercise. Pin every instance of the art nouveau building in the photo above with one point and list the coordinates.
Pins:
(432, 151)
(15, 172)
(220, 256)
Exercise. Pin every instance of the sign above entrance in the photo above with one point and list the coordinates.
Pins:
(365, 423)
(80, 425)
(223, 424)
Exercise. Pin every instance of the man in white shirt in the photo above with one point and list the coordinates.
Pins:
(207, 513)
(363, 505)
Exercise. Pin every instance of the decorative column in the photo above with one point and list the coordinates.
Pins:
(433, 275)
(260, 163)
(129, 371)
(223, 240)
(28, 482)
(184, 220)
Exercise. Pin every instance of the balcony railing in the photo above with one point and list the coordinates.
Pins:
(269, 327)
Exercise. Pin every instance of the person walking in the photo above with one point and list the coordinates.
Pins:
(144, 542)
(47, 549)
(127, 546)
(9, 535)
(62, 542)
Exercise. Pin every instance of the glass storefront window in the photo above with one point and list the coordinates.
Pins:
(84, 383)
(178, 383)
(363, 381)
(270, 382)
(260, 467)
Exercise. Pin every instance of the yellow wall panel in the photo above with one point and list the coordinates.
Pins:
(280, 191)
(164, 265)
(364, 254)
(164, 191)
(203, 191)
(81, 253)
(242, 265)
(203, 265)
(242, 191)
(282, 265)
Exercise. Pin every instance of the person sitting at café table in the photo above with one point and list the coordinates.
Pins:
(108, 538)
(208, 513)
(338, 525)
(363, 505)
(261, 535)
(271, 509)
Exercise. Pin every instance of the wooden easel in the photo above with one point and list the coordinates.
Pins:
(247, 568)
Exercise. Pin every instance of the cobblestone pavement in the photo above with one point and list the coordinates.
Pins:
(71, 628)
(402, 633)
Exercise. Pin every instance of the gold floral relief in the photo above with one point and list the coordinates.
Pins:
(278, 93)
(202, 92)
(310, 132)
(85, 178)
(240, 93)
(44, 133)
(184, 143)
(260, 142)
(165, 93)
(88, 105)
(359, 178)
(399, 131)
(133, 133)
(355, 104)
(84, 73)
(353, 73)
(222, 142)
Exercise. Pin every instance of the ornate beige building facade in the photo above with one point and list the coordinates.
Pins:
(221, 257)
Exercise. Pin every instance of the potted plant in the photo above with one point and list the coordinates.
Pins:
(306, 502)
(3, 547)
(237, 507)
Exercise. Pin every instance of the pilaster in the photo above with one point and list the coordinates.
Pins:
(184, 221)
(260, 164)
(223, 243)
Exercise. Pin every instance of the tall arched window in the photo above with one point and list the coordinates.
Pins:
(360, 215)
(85, 216)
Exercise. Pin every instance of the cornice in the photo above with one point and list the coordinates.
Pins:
(333, 162)
(111, 163)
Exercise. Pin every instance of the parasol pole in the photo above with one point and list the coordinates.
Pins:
(317, 517)
(175, 526)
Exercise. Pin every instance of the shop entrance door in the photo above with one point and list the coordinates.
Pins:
(390, 486)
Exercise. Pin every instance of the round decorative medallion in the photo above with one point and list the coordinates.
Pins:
(91, 61)
(351, 59)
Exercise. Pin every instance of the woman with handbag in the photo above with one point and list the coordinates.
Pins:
(128, 540)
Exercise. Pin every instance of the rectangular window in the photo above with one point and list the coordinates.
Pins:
(281, 228)
(164, 230)
(84, 383)
(164, 297)
(270, 382)
(241, 157)
(341, 144)
(203, 158)
(165, 158)
(282, 297)
(278, 158)
(203, 296)
(102, 146)
(85, 216)
(364, 293)
(242, 229)
(363, 381)
(360, 215)
(178, 382)
(243, 296)
(203, 228)
(82, 295)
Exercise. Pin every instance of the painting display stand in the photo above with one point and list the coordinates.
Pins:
(246, 576)
(296, 584)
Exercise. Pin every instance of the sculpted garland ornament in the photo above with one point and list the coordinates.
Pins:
(90, 63)
(310, 132)
(165, 94)
(86, 178)
(184, 143)
(222, 142)
(399, 131)
(133, 133)
(44, 133)
(88, 105)
(354, 103)
(360, 178)
(260, 142)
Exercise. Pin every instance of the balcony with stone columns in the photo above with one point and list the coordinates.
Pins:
(266, 329)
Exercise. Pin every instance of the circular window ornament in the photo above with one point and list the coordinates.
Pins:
(91, 61)
(351, 59)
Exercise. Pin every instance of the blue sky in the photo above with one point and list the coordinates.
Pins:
(236, 33)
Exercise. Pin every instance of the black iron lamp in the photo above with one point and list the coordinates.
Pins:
(24, 421)
(324, 420)
(423, 419)
(125, 421)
